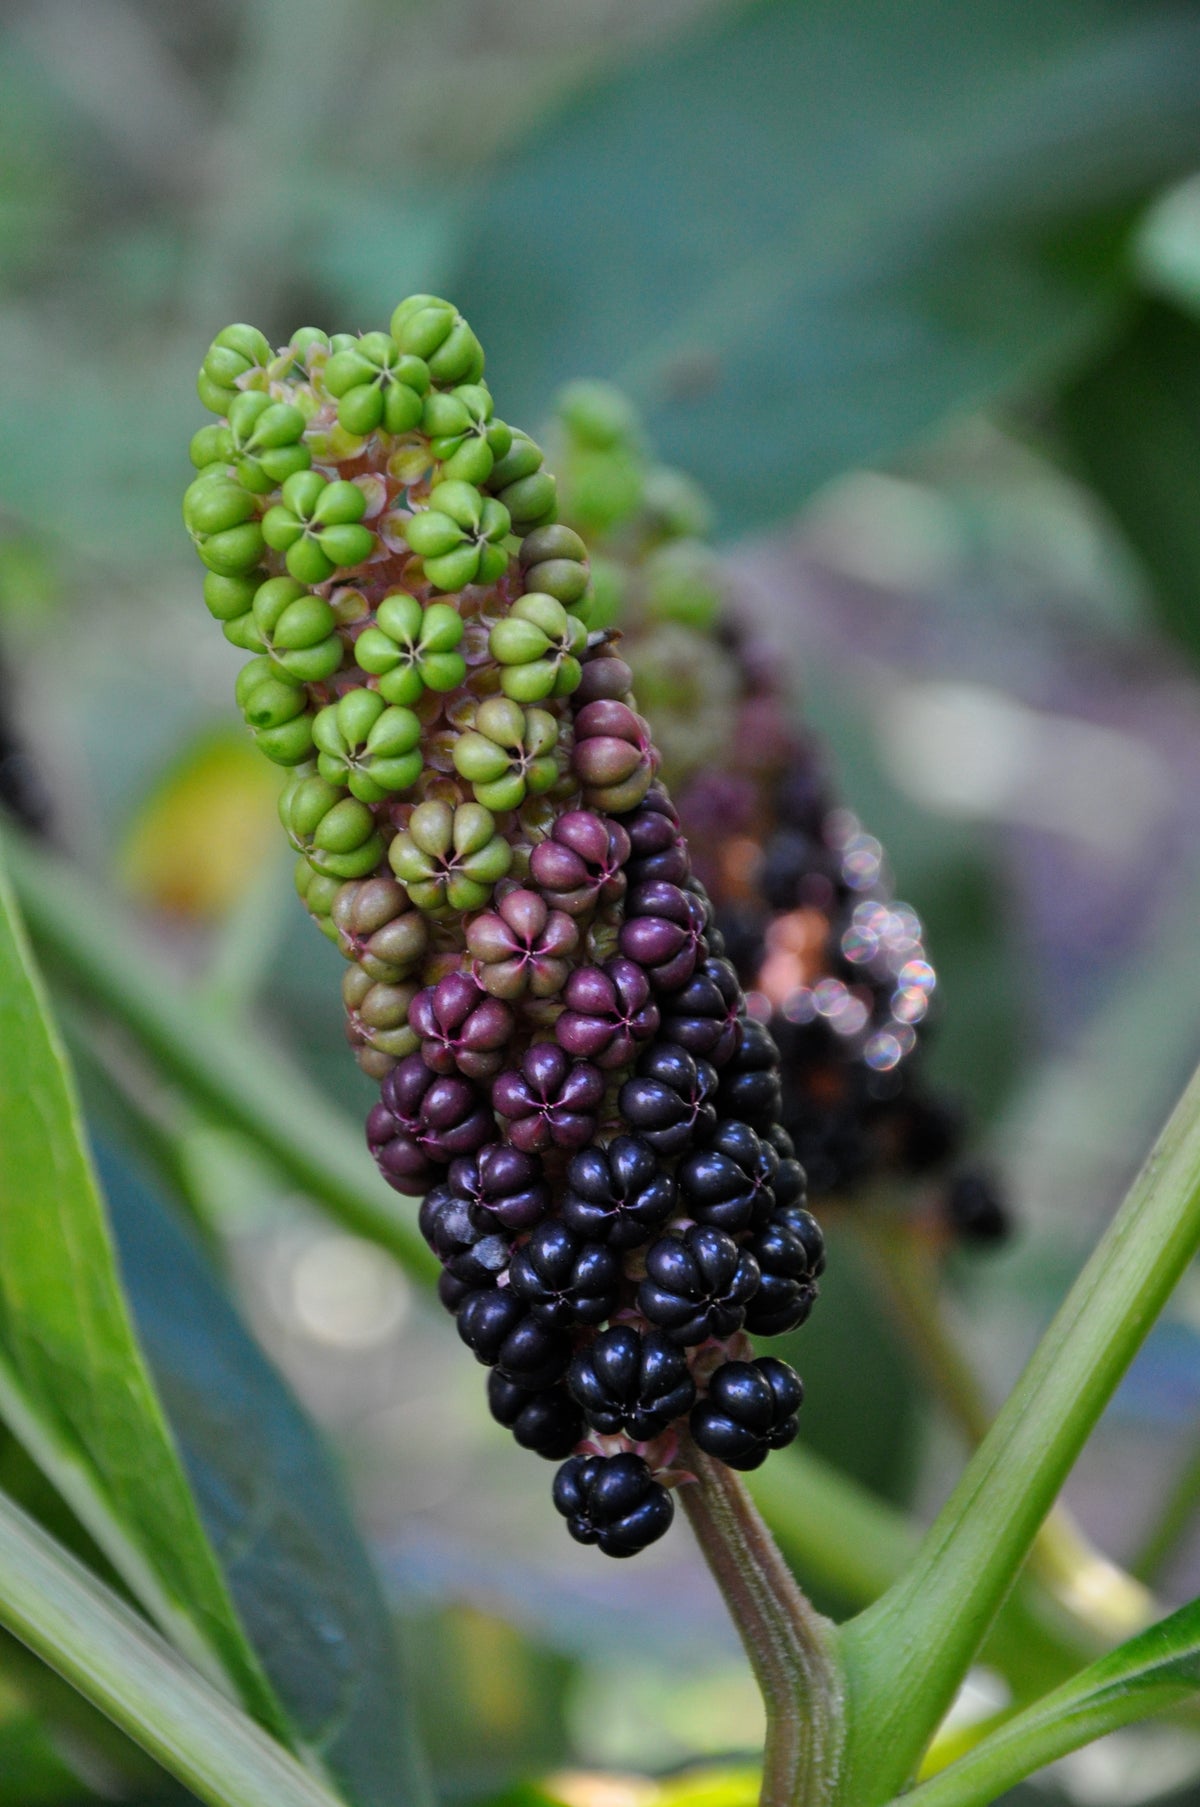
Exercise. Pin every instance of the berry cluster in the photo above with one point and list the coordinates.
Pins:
(801, 892)
(569, 1075)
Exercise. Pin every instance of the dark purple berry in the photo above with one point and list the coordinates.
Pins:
(804, 1227)
(581, 864)
(609, 1013)
(704, 1016)
(564, 1280)
(618, 1194)
(698, 1284)
(728, 1182)
(461, 1028)
(668, 1100)
(612, 1501)
(423, 1121)
(498, 1327)
(630, 1383)
(664, 932)
(788, 1288)
(549, 1423)
(549, 1100)
(504, 1183)
(472, 1254)
(750, 1088)
(750, 1409)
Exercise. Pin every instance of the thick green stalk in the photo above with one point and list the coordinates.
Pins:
(792, 1649)
(226, 1068)
(116, 1661)
(906, 1656)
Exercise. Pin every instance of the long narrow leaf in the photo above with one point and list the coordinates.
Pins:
(116, 1661)
(1154, 1671)
(73, 1385)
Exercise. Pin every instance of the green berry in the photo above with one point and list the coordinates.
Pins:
(682, 582)
(433, 329)
(211, 445)
(598, 415)
(462, 434)
(411, 649)
(297, 629)
(222, 520)
(508, 754)
(554, 560)
(266, 436)
(319, 893)
(235, 353)
(538, 645)
(228, 599)
(449, 858)
(459, 537)
(367, 745)
(376, 385)
(335, 832)
(316, 527)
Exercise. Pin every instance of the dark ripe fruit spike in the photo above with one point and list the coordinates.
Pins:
(728, 1183)
(750, 1087)
(613, 1502)
(704, 1016)
(609, 1013)
(619, 1193)
(499, 1329)
(788, 1288)
(563, 1280)
(698, 1284)
(504, 1183)
(549, 1423)
(750, 1409)
(664, 932)
(668, 1101)
(549, 1100)
(630, 1383)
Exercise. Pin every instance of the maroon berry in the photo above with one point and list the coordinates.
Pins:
(704, 1016)
(461, 1028)
(581, 863)
(522, 946)
(614, 757)
(503, 1184)
(664, 932)
(549, 1100)
(608, 1014)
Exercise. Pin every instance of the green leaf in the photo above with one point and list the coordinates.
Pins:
(1131, 421)
(73, 1384)
(114, 1659)
(940, 1610)
(1154, 1671)
(813, 232)
(273, 1511)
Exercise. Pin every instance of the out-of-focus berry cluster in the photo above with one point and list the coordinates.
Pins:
(801, 892)
(568, 1071)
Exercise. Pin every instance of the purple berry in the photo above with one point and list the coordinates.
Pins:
(612, 1501)
(609, 1013)
(750, 1409)
(667, 1102)
(630, 1383)
(619, 1194)
(698, 1285)
(565, 1280)
(549, 1100)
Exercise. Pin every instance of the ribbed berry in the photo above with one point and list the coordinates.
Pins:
(728, 1182)
(503, 1185)
(664, 932)
(609, 1013)
(750, 1088)
(504, 1334)
(788, 1288)
(581, 863)
(749, 1410)
(612, 1501)
(549, 1422)
(549, 1100)
(563, 1279)
(461, 1028)
(472, 1253)
(705, 1015)
(422, 1122)
(698, 1284)
(631, 1382)
(668, 1100)
(619, 1193)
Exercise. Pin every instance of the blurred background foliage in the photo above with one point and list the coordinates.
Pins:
(914, 291)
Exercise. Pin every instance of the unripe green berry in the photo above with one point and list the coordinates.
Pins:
(335, 832)
(598, 415)
(367, 745)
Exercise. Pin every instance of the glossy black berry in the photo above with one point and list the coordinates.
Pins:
(612, 1501)
(619, 1194)
(788, 1288)
(750, 1088)
(750, 1409)
(668, 1100)
(728, 1182)
(631, 1383)
(472, 1253)
(549, 1423)
(804, 1226)
(703, 1016)
(503, 1334)
(698, 1284)
(564, 1280)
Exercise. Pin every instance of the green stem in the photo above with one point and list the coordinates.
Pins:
(226, 1068)
(791, 1648)
(54, 1606)
(906, 1655)
(1174, 1519)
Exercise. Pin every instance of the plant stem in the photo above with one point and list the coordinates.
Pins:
(223, 1065)
(1175, 1517)
(116, 1661)
(904, 1266)
(791, 1648)
(906, 1655)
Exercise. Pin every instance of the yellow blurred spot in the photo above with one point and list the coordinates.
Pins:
(706, 1786)
(205, 830)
